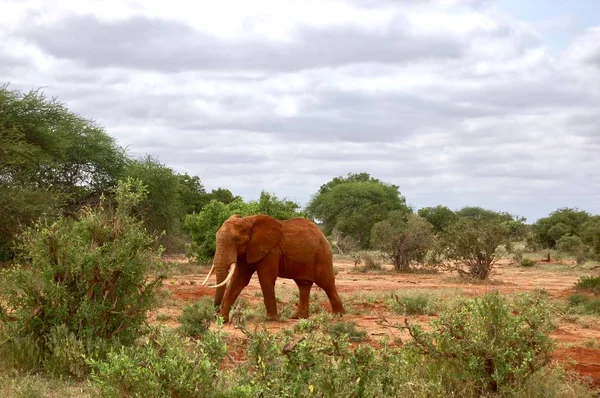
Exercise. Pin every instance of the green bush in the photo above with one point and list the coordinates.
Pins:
(167, 366)
(591, 283)
(527, 262)
(417, 304)
(488, 342)
(85, 280)
(347, 329)
(583, 304)
(196, 319)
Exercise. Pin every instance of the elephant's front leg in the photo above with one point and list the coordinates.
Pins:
(267, 278)
(238, 282)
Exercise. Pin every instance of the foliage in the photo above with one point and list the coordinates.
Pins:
(163, 367)
(352, 205)
(472, 245)
(405, 239)
(90, 275)
(51, 160)
(591, 283)
(440, 217)
(488, 342)
(584, 304)
(590, 234)
(347, 329)
(571, 244)
(196, 318)
(192, 193)
(371, 261)
(416, 304)
(561, 222)
(527, 262)
(204, 225)
(161, 208)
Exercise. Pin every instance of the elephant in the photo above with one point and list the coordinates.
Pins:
(292, 249)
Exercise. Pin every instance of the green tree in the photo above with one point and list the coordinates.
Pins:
(405, 239)
(204, 225)
(564, 221)
(161, 209)
(590, 234)
(472, 243)
(192, 193)
(52, 161)
(352, 205)
(440, 217)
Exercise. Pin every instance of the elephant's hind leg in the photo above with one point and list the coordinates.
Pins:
(303, 303)
(336, 303)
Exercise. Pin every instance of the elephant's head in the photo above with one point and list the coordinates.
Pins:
(247, 238)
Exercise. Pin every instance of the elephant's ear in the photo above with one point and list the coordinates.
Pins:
(265, 235)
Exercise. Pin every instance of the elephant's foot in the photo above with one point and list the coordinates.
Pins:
(272, 317)
(300, 315)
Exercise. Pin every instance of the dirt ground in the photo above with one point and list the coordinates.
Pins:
(364, 295)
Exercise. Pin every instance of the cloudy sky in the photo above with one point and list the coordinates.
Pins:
(493, 103)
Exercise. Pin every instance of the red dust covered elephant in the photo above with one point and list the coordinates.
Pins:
(293, 249)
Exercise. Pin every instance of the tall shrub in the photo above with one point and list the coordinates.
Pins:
(95, 277)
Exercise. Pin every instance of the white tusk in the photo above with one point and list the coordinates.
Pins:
(209, 274)
(231, 269)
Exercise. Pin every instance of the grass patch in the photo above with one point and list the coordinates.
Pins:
(591, 283)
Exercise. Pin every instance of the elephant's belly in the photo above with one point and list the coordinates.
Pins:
(296, 271)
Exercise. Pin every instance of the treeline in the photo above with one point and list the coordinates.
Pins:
(54, 162)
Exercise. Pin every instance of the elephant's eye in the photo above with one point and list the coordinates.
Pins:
(237, 239)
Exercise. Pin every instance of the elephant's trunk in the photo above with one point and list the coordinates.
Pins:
(224, 257)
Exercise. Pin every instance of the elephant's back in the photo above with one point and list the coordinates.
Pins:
(304, 235)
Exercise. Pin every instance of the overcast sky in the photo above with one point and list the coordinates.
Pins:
(472, 102)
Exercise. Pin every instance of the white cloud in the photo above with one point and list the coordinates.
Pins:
(457, 102)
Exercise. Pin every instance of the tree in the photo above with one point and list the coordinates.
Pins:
(354, 204)
(564, 221)
(192, 193)
(52, 161)
(204, 225)
(161, 209)
(472, 243)
(405, 239)
(440, 217)
(590, 234)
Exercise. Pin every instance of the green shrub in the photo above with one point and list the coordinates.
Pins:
(167, 366)
(489, 343)
(416, 304)
(84, 280)
(583, 304)
(527, 262)
(591, 283)
(371, 263)
(347, 329)
(196, 319)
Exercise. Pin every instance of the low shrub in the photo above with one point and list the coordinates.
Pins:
(488, 342)
(583, 304)
(165, 366)
(196, 318)
(527, 262)
(591, 283)
(416, 304)
(347, 329)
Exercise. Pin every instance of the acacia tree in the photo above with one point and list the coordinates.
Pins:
(405, 239)
(471, 245)
(352, 205)
(52, 161)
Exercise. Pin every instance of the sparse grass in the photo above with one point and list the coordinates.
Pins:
(527, 262)
(347, 329)
(163, 317)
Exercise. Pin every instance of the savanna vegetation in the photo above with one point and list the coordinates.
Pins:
(85, 231)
